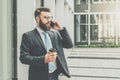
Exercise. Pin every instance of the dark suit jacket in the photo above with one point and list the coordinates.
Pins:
(32, 52)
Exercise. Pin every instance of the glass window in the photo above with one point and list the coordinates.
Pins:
(94, 32)
(77, 28)
(84, 1)
(96, 1)
(83, 32)
(84, 19)
(77, 2)
(108, 0)
(103, 1)
(94, 19)
(81, 28)
(111, 1)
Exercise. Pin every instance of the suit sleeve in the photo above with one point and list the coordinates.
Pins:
(66, 40)
(25, 56)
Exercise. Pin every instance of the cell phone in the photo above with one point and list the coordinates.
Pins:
(52, 24)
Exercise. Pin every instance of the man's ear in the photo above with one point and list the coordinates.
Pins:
(37, 19)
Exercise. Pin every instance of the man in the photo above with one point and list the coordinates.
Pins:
(35, 49)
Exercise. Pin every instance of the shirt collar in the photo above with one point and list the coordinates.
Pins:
(39, 30)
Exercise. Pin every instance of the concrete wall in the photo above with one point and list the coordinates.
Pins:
(6, 36)
(25, 22)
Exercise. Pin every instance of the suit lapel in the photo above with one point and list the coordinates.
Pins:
(38, 37)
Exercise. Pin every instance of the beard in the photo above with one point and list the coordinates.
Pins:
(43, 26)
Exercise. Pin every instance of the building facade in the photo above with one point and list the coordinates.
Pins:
(6, 40)
(97, 22)
(17, 17)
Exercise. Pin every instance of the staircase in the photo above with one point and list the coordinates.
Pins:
(94, 64)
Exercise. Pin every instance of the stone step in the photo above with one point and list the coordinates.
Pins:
(93, 63)
(95, 73)
(88, 78)
(106, 50)
(91, 78)
(94, 54)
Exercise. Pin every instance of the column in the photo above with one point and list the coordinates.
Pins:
(117, 25)
(88, 22)
(50, 4)
(1, 41)
(6, 40)
(59, 10)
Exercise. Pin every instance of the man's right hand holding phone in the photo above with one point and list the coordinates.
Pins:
(55, 25)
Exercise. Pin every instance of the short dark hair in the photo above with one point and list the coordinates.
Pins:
(39, 10)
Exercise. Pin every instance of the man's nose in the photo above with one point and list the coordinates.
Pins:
(49, 19)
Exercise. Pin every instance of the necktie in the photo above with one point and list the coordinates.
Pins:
(48, 45)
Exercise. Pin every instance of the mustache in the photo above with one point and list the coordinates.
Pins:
(44, 26)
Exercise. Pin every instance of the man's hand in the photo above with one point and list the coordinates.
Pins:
(50, 57)
(57, 26)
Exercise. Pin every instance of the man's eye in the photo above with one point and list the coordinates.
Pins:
(48, 17)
